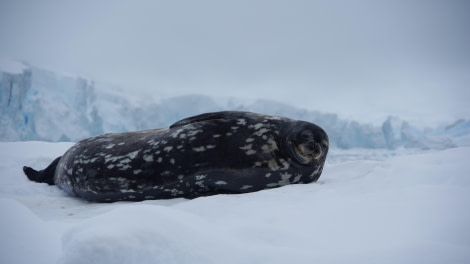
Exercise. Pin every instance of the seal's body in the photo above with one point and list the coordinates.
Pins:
(213, 153)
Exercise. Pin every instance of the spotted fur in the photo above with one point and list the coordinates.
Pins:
(213, 153)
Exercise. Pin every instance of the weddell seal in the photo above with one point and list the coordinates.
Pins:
(212, 153)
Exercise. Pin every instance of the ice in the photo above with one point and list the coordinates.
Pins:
(369, 206)
(37, 104)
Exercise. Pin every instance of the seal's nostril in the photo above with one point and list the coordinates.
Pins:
(318, 148)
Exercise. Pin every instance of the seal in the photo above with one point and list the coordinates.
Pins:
(213, 153)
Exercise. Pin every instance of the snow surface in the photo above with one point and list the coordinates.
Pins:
(369, 206)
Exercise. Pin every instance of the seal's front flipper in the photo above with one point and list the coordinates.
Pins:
(210, 116)
(46, 175)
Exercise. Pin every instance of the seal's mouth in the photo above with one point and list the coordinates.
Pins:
(308, 152)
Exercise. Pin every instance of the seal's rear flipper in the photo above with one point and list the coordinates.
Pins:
(46, 175)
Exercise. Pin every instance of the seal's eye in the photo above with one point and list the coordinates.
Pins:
(306, 135)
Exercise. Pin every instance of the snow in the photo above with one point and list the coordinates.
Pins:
(369, 206)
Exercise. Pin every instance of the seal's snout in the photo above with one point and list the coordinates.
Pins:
(311, 148)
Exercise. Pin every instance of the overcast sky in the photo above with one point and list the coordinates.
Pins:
(361, 59)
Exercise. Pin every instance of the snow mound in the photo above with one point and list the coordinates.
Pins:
(26, 238)
(139, 234)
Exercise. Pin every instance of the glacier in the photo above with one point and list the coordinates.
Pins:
(41, 105)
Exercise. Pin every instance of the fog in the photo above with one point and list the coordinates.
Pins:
(361, 59)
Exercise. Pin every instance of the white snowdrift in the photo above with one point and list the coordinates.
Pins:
(368, 207)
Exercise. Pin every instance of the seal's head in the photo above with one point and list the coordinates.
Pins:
(307, 143)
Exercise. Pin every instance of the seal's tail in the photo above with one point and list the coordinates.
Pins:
(46, 175)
